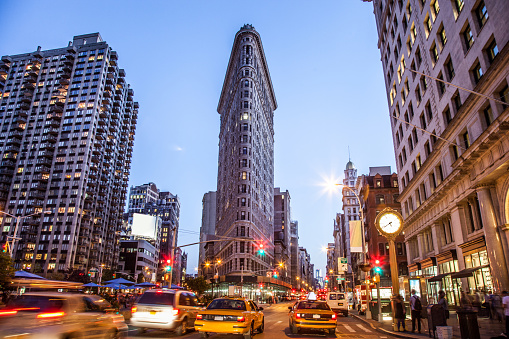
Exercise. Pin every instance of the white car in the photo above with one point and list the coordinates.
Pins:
(60, 315)
(338, 302)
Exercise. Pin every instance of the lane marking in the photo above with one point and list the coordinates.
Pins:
(349, 328)
(364, 328)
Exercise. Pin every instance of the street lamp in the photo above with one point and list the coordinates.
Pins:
(14, 237)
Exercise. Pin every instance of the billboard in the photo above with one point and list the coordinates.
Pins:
(145, 225)
(355, 236)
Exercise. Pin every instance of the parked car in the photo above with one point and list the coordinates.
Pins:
(230, 315)
(60, 315)
(167, 309)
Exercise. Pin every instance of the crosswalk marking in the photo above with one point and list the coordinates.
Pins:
(349, 328)
(364, 328)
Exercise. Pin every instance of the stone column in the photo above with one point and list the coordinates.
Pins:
(494, 248)
(434, 237)
(457, 233)
(420, 246)
(408, 254)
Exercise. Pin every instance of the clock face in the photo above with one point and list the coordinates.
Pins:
(389, 223)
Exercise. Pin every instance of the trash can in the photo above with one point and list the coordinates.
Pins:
(436, 317)
(469, 327)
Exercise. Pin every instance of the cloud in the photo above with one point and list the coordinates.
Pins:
(178, 148)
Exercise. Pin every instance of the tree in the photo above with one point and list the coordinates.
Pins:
(56, 276)
(107, 275)
(6, 271)
(198, 285)
(77, 276)
(140, 279)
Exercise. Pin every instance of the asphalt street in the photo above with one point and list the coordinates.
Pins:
(276, 326)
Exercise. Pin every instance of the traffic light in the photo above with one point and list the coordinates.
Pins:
(4, 248)
(326, 279)
(114, 275)
(261, 249)
(376, 279)
(167, 268)
(377, 266)
(274, 274)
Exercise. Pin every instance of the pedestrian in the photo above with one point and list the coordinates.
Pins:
(399, 312)
(505, 303)
(488, 299)
(465, 302)
(498, 307)
(415, 311)
(442, 301)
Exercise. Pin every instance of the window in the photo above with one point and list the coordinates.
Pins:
(423, 121)
(456, 99)
(492, 50)
(466, 139)
(447, 115)
(504, 94)
(440, 84)
(455, 152)
(381, 248)
(435, 8)
(482, 14)
(458, 6)
(477, 72)
(488, 115)
(429, 112)
(442, 37)
(418, 94)
(468, 37)
(427, 149)
(434, 53)
(449, 68)
(427, 26)
(380, 199)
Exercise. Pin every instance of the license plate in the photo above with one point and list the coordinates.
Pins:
(153, 312)
(340, 304)
(218, 318)
(316, 316)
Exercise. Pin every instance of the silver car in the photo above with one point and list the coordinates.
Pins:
(173, 310)
(60, 315)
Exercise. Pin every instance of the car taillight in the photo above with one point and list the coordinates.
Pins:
(334, 316)
(175, 312)
(240, 319)
(9, 312)
(199, 316)
(50, 315)
(297, 315)
(134, 309)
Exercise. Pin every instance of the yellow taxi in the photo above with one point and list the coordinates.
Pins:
(311, 314)
(230, 315)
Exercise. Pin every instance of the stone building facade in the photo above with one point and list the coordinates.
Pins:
(451, 141)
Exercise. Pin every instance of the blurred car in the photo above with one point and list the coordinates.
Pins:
(60, 315)
(311, 314)
(166, 309)
(230, 315)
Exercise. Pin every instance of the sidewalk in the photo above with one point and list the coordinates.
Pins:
(487, 328)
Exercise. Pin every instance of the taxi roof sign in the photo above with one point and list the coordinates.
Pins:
(312, 296)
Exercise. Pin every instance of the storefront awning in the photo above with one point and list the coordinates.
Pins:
(467, 272)
(438, 277)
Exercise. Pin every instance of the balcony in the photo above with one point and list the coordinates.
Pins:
(63, 81)
(14, 142)
(95, 160)
(52, 130)
(22, 113)
(41, 186)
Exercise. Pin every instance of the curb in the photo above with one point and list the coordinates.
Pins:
(383, 330)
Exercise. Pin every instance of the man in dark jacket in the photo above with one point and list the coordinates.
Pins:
(416, 311)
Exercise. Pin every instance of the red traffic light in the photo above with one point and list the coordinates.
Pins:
(168, 261)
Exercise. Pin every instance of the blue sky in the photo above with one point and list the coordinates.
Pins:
(325, 69)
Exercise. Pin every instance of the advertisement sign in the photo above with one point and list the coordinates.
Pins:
(355, 236)
(385, 293)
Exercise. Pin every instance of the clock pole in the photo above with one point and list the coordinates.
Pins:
(394, 266)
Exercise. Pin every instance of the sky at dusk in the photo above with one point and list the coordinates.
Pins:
(325, 69)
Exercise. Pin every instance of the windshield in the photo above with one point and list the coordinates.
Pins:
(37, 303)
(157, 298)
(313, 305)
(227, 304)
(96, 303)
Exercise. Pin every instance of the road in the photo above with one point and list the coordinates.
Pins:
(276, 326)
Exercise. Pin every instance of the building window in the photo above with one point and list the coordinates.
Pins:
(381, 248)
(492, 50)
(455, 152)
(458, 6)
(456, 99)
(447, 116)
(423, 121)
(449, 69)
(380, 199)
(442, 37)
(427, 26)
(466, 139)
(482, 14)
(468, 37)
(441, 84)
(477, 72)
(379, 183)
(488, 115)
(434, 53)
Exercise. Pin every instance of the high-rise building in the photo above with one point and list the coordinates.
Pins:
(149, 200)
(282, 237)
(294, 255)
(350, 210)
(245, 181)
(208, 225)
(449, 125)
(67, 120)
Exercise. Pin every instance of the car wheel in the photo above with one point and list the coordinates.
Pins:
(249, 334)
(182, 328)
(262, 326)
(204, 334)
(141, 330)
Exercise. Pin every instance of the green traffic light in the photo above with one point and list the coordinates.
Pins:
(378, 269)
(262, 252)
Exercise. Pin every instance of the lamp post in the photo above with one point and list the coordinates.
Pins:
(14, 237)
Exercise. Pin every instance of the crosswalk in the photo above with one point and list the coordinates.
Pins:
(352, 328)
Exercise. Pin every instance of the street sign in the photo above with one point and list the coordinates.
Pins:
(342, 264)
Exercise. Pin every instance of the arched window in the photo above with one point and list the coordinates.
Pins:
(380, 199)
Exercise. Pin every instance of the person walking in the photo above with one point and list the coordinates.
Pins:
(505, 304)
(442, 301)
(415, 311)
(465, 302)
(399, 313)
